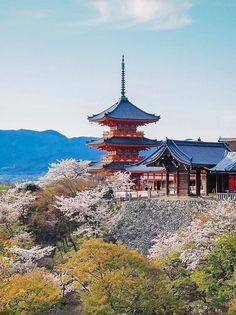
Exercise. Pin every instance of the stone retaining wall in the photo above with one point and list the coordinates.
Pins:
(139, 222)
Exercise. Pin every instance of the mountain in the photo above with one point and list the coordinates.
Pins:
(25, 154)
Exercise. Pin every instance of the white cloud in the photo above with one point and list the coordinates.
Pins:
(145, 14)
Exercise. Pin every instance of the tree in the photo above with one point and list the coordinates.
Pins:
(87, 209)
(119, 181)
(26, 294)
(32, 255)
(196, 241)
(67, 171)
(216, 277)
(113, 279)
(14, 205)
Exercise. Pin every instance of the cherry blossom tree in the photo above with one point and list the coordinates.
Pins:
(119, 181)
(33, 254)
(67, 170)
(21, 260)
(88, 209)
(13, 205)
(194, 242)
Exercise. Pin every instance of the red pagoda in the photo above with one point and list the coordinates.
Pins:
(123, 141)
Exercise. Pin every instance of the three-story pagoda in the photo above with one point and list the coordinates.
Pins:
(123, 141)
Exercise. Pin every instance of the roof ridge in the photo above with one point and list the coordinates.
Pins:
(196, 142)
(179, 152)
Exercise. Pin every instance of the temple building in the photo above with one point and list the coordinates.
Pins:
(177, 167)
(123, 141)
(192, 167)
(225, 172)
(230, 141)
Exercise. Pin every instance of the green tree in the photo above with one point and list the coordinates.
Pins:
(116, 280)
(216, 276)
(184, 288)
(27, 294)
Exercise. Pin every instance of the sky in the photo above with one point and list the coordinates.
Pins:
(60, 62)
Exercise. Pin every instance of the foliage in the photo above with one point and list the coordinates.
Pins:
(117, 280)
(28, 293)
(216, 277)
(4, 187)
(46, 257)
(184, 288)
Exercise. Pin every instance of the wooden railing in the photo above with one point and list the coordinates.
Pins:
(138, 195)
(226, 196)
(123, 133)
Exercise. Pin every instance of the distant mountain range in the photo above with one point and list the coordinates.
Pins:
(26, 154)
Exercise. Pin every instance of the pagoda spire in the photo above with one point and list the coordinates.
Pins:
(123, 77)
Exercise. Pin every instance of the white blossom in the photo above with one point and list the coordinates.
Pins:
(23, 236)
(62, 280)
(88, 208)
(33, 254)
(195, 241)
(23, 260)
(13, 204)
(65, 169)
(120, 181)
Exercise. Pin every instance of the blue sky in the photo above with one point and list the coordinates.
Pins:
(60, 62)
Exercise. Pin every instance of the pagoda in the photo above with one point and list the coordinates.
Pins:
(123, 141)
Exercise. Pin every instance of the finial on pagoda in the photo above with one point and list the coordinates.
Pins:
(123, 77)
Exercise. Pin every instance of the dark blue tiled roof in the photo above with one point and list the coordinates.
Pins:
(112, 166)
(123, 109)
(142, 167)
(227, 164)
(192, 152)
(126, 141)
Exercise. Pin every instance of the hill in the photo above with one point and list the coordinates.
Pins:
(25, 154)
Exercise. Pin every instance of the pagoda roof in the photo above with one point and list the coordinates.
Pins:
(191, 153)
(129, 141)
(115, 166)
(124, 110)
(227, 164)
(141, 167)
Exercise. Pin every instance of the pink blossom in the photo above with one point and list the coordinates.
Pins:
(195, 241)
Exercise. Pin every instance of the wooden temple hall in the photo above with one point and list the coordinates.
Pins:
(191, 168)
(177, 167)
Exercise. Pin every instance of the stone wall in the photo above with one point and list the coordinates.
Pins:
(139, 222)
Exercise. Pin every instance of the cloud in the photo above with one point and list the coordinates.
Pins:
(145, 14)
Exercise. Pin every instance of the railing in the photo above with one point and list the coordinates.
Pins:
(123, 133)
(226, 196)
(131, 195)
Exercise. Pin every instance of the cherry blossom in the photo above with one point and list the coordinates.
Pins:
(23, 260)
(87, 208)
(13, 204)
(65, 169)
(33, 254)
(119, 181)
(195, 241)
